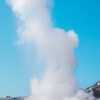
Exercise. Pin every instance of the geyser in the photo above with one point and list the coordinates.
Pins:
(57, 47)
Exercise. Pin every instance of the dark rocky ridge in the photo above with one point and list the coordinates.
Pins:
(94, 89)
(14, 98)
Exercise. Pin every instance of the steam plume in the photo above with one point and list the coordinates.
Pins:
(56, 45)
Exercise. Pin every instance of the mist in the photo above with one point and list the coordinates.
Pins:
(57, 46)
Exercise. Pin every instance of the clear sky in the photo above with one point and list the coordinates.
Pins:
(81, 15)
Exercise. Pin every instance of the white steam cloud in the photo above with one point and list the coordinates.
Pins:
(56, 45)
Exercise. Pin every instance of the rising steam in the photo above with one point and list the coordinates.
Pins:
(56, 45)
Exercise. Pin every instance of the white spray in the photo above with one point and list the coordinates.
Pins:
(56, 45)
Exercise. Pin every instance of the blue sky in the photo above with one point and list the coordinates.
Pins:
(81, 15)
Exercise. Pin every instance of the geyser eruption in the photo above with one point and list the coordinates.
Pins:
(57, 46)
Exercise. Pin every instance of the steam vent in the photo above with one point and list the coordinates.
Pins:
(94, 90)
